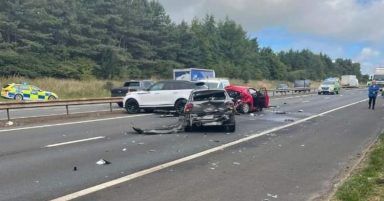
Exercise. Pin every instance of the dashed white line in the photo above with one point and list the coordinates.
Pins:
(188, 158)
(73, 142)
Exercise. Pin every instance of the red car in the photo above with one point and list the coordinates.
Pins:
(252, 99)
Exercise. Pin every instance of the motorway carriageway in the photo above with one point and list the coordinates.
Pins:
(268, 157)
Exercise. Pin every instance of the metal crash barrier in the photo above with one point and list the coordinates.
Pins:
(57, 103)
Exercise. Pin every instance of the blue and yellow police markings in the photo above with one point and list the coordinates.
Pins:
(26, 92)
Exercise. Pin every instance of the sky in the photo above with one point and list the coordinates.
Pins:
(352, 29)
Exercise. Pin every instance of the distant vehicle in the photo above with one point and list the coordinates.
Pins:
(26, 92)
(207, 107)
(129, 86)
(302, 86)
(349, 81)
(171, 94)
(329, 86)
(252, 99)
(216, 83)
(282, 88)
(379, 76)
(193, 74)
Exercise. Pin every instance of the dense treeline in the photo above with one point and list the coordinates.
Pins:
(136, 39)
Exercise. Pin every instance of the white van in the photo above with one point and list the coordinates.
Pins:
(216, 83)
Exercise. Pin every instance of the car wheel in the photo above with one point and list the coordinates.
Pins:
(51, 98)
(188, 128)
(132, 106)
(319, 93)
(230, 128)
(245, 108)
(120, 104)
(18, 97)
(179, 106)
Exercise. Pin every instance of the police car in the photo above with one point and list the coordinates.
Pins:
(26, 92)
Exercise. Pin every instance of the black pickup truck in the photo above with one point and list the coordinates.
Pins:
(132, 85)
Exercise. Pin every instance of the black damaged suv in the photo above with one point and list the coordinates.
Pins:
(210, 108)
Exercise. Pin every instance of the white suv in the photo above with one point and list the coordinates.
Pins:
(171, 94)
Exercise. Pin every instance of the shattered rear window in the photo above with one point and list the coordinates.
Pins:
(209, 95)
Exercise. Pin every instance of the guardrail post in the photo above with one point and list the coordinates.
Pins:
(67, 109)
(8, 116)
(110, 106)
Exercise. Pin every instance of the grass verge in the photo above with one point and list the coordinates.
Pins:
(367, 182)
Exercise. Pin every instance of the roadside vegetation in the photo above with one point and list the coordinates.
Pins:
(115, 39)
(366, 183)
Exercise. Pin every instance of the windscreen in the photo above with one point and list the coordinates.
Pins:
(212, 85)
(328, 82)
(208, 95)
(378, 77)
(132, 84)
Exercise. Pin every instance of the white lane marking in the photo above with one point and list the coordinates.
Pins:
(57, 114)
(73, 123)
(76, 141)
(188, 158)
(290, 97)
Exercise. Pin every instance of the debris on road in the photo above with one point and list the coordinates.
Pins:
(103, 162)
(74, 168)
(167, 115)
(289, 120)
(301, 111)
(236, 163)
(9, 123)
(272, 196)
(125, 149)
(170, 129)
(152, 150)
(303, 145)
(251, 114)
(280, 112)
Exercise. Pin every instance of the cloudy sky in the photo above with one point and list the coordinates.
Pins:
(340, 28)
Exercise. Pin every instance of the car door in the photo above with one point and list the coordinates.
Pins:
(26, 92)
(264, 92)
(35, 93)
(171, 93)
(153, 97)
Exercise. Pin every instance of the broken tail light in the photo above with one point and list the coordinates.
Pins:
(188, 107)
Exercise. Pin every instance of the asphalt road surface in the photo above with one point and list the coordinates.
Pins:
(293, 156)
